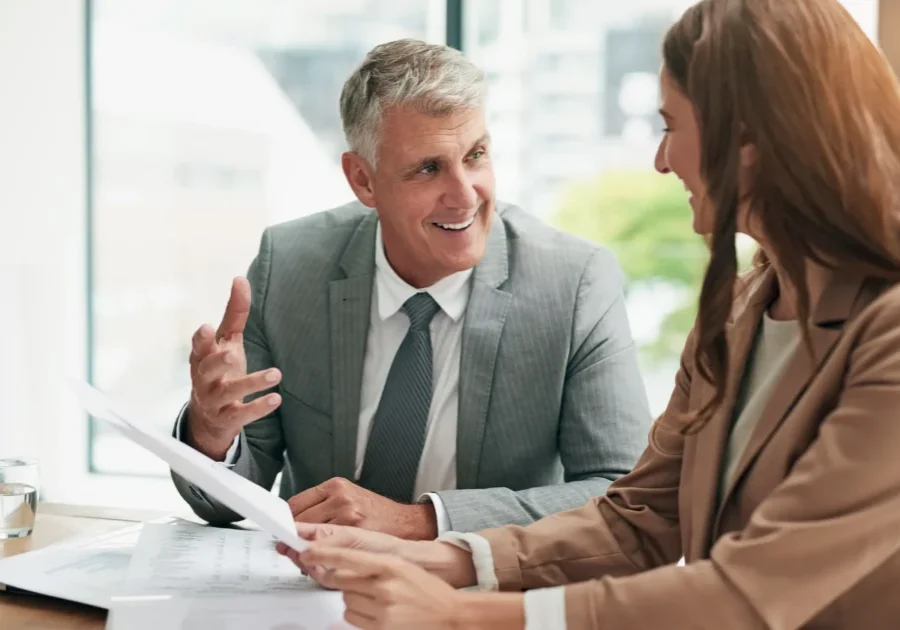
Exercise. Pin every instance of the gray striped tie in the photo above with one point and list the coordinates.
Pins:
(398, 428)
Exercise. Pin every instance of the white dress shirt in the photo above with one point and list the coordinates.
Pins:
(388, 326)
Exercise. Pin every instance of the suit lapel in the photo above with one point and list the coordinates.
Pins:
(830, 313)
(350, 302)
(485, 316)
(710, 441)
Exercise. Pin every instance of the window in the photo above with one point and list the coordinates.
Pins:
(214, 119)
(211, 120)
(586, 120)
(576, 86)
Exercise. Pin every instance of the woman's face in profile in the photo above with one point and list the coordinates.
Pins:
(679, 153)
(679, 150)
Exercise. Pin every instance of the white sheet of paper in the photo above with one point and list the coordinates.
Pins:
(241, 495)
(178, 558)
(318, 610)
(84, 570)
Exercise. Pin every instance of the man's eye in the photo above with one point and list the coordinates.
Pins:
(428, 168)
(476, 155)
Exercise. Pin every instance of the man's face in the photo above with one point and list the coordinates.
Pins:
(433, 189)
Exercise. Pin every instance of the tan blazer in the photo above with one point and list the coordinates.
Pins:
(808, 533)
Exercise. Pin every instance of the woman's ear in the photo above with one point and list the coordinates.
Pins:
(749, 155)
(749, 158)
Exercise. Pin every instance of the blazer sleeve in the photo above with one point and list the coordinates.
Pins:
(604, 416)
(633, 528)
(260, 453)
(832, 522)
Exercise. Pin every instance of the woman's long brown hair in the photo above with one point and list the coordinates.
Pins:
(801, 82)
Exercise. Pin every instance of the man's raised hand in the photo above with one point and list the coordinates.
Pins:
(220, 383)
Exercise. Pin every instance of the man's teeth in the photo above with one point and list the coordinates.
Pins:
(456, 226)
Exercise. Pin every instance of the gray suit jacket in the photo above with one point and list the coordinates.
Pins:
(552, 407)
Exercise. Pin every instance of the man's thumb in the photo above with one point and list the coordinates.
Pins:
(237, 310)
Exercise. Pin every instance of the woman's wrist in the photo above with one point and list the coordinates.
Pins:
(448, 562)
(491, 611)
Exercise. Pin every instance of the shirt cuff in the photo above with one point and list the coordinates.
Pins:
(482, 557)
(440, 511)
(545, 609)
(230, 454)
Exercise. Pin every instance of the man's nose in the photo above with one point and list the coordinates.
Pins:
(460, 192)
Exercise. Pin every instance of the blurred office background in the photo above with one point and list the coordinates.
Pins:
(145, 144)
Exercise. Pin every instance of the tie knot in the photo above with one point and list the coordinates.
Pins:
(420, 309)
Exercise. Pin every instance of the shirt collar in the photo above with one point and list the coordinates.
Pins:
(450, 293)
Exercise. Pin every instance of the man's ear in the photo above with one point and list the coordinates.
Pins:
(360, 176)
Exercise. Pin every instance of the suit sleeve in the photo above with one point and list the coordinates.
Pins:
(832, 522)
(605, 416)
(633, 528)
(260, 448)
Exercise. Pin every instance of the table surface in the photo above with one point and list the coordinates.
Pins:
(57, 522)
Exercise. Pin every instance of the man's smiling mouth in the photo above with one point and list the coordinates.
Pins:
(456, 227)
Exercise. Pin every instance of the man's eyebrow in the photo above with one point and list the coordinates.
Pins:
(420, 162)
(484, 139)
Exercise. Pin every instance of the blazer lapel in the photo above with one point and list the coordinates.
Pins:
(350, 302)
(485, 316)
(826, 325)
(710, 441)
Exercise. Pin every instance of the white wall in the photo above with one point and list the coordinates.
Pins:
(42, 226)
(866, 14)
(43, 267)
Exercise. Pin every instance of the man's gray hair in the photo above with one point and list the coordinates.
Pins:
(435, 80)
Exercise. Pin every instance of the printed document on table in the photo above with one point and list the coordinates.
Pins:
(186, 558)
(313, 610)
(241, 495)
(87, 570)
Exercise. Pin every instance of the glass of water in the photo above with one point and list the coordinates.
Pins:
(19, 487)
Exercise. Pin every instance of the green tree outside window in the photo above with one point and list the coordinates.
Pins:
(645, 219)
